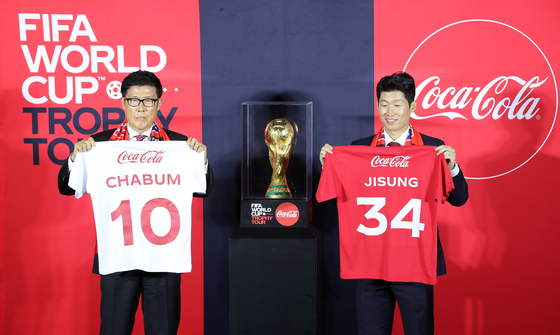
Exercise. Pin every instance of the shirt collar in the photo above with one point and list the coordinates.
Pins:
(400, 140)
(132, 133)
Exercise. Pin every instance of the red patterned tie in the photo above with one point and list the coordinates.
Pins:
(140, 138)
(393, 144)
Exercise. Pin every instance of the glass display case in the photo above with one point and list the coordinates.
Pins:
(277, 163)
(259, 120)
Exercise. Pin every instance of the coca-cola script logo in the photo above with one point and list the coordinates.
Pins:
(397, 161)
(287, 214)
(151, 156)
(487, 90)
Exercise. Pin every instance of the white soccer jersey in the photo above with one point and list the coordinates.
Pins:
(141, 194)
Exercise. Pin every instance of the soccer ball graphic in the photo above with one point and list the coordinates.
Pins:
(114, 90)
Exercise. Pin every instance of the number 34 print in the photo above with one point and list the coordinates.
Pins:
(398, 222)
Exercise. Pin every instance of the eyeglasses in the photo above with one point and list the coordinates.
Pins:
(135, 102)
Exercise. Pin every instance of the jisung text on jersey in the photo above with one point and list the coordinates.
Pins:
(392, 182)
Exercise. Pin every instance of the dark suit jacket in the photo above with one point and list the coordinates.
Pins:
(64, 173)
(458, 196)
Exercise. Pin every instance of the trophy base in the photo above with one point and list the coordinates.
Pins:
(278, 192)
(278, 196)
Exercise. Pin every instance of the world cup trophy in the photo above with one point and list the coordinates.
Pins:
(279, 135)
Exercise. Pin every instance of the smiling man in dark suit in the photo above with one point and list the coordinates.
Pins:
(376, 298)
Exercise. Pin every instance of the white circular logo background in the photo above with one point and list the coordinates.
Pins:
(490, 89)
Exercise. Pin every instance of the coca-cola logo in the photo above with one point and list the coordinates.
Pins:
(287, 214)
(397, 161)
(488, 90)
(481, 102)
(151, 156)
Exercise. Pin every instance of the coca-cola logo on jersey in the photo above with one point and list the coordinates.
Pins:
(397, 161)
(151, 156)
(488, 90)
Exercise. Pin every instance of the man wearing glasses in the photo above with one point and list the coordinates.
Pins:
(120, 291)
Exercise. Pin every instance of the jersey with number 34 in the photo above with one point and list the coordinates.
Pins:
(387, 202)
(141, 193)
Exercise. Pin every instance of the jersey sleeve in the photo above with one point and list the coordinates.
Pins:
(446, 180)
(329, 184)
(78, 176)
(199, 175)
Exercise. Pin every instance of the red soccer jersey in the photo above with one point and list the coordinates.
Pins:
(387, 208)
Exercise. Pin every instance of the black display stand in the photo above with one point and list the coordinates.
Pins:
(273, 257)
(273, 281)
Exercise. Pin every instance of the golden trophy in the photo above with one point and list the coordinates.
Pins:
(279, 134)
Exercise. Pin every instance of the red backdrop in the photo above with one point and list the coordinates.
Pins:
(501, 247)
(487, 87)
(58, 64)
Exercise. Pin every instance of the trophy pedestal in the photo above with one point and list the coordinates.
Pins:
(273, 282)
(273, 257)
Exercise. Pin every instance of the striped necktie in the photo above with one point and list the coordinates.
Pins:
(140, 138)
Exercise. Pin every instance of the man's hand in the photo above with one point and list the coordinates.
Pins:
(449, 154)
(194, 144)
(82, 146)
(326, 148)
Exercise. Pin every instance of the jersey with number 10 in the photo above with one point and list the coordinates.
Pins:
(141, 193)
(387, 207)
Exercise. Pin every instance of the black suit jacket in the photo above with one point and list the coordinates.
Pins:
(458, 196)
(64, 174)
